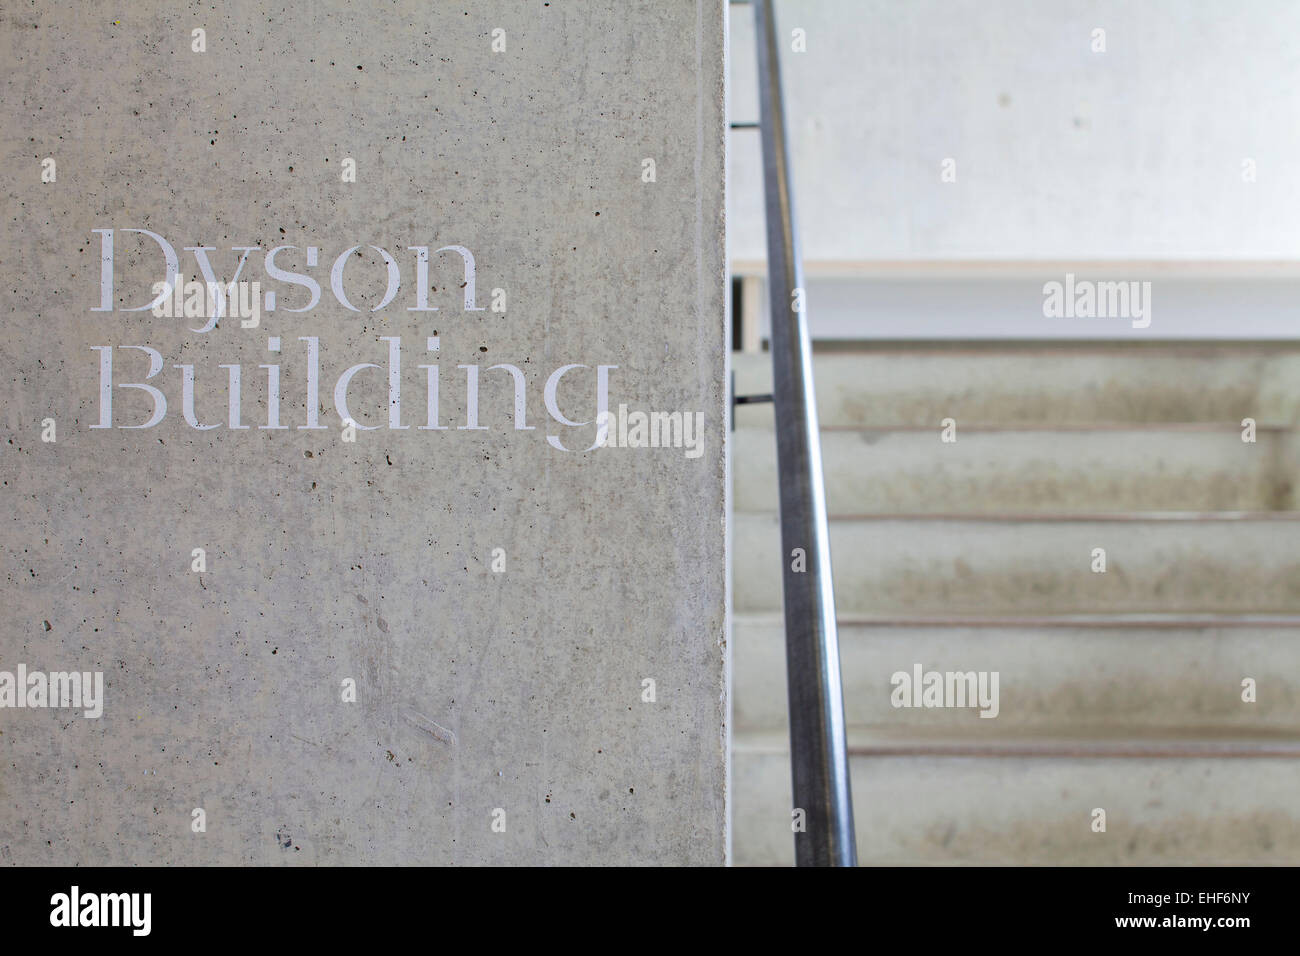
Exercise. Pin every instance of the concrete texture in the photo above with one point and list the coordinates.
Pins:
(372, 561)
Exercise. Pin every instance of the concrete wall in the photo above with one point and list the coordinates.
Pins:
(1060, 152)
(477, 689)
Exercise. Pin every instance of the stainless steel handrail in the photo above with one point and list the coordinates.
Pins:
(818, 752)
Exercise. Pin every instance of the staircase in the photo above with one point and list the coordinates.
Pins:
(1119, 690)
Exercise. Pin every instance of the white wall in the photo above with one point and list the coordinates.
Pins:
(1062, 153)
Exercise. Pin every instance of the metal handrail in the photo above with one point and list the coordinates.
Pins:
(818, 751)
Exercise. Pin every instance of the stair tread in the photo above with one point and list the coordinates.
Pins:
(973, 566)
(1010, 810)
(1013, 385)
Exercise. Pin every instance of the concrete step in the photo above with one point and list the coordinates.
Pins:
(1101, 678)
(1119, 690)
(1024, 566)
(1038, 810)
(1008, 384)
(1132, 469)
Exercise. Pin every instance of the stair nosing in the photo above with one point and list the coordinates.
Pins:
(1154, 746)
(1153, 621)
(1015, 427)
(1015, 517)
